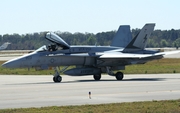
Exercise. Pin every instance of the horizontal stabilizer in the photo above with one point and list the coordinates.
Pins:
(120, 55)
(168, 52)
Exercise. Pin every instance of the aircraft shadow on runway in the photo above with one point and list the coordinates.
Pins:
(76, 81)
(134, 79)
(145, 79)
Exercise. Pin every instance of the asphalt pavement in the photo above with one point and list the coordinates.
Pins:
(24, 91)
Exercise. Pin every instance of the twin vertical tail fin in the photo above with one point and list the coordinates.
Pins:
(140, 40)
(4, 46)
(123, 36)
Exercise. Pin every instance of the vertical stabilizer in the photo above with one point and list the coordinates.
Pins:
(4, 46)
(123, 36)
(140, 40)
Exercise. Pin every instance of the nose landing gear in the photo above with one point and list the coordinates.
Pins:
(57, 78)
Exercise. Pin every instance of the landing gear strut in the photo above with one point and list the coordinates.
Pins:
(57, 77)
(118, 75)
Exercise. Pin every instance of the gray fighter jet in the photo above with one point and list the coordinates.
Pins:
(91, 60)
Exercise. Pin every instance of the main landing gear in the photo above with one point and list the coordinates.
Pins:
(97, 76)
(118, 75)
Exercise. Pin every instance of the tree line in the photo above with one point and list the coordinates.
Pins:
(159, 38)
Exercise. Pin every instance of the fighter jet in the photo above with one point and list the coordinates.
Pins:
(90, 60)
(4, 46)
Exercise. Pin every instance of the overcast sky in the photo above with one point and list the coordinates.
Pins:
(92, 16)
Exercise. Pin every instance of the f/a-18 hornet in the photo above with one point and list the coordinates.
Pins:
(91, 60)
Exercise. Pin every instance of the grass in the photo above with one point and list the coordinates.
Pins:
(156, 66)
(168, 106)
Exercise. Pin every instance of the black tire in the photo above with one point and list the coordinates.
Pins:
(54, 79)
(119, 75)
(97, 76)
(57, 79)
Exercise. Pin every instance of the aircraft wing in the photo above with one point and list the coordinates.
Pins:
(123, 55)
(168, 52)
(120, 55)
(116, 55)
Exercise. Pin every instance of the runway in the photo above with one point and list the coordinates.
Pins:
(23, 91)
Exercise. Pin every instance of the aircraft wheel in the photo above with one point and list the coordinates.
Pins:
(54, 79)
(97, 76)
(119, 75)
(57, 78)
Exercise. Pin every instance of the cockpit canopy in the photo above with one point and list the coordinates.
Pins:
(47, 48)
(57, 40)
(43, 48)
(58, 43)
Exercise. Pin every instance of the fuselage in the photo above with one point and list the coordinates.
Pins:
(87, 56)
(75, 55)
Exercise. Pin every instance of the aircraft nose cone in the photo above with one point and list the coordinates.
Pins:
(7, 65)
(3, 65)
(10, 64)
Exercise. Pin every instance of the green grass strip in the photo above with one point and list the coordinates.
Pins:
(168, 106)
